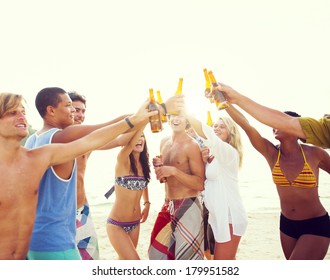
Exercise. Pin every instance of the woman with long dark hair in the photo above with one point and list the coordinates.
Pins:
(132, 175)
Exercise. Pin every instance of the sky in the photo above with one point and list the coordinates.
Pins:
(274, 51)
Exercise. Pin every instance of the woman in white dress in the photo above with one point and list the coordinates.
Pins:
(227, 215)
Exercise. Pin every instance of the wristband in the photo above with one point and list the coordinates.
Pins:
(129, 122)
(164, 107)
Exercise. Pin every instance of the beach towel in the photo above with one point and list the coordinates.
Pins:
(178, 232)
(86, 237)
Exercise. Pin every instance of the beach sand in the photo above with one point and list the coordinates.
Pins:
(260, 242)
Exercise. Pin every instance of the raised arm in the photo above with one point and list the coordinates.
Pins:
(120, 140)
(128, 148)
(195, 123)
(60, 153)
(265, 115)
(262, 145)
(74, 132)
(174, 103)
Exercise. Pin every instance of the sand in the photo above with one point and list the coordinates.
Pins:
(261, 241)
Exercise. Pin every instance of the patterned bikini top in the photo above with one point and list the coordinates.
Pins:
(305, 179)
(131, 182)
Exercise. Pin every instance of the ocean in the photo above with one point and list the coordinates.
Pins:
(256, 186)
(257, 189)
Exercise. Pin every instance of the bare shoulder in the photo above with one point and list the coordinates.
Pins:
(191, 145)
(312, 151)
(39, 154)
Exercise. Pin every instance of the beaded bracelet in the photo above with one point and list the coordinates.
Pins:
(147, 202)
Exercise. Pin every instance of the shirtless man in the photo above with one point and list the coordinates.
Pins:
(178, 232)
(86, 237)
(24, 169)
(54, 232)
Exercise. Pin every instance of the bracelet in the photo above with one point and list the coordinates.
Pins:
(147, 202)
(129, 122)
(164, 107)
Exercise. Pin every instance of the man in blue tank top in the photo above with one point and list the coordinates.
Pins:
(23, 171)
(54, 232)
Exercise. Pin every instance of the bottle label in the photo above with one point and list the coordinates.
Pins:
(155, 123)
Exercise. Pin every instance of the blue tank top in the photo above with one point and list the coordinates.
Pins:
(55, 223)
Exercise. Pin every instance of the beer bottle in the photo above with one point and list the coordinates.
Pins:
(209, 121)
(219, 99)
(155, 121)
(160, 101)
(207, 91)
(161, 180)
(179, 89)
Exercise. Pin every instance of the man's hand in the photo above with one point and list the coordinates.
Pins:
(175, 103)
(142, 114)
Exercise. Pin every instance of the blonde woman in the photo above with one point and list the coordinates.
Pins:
(227, 215)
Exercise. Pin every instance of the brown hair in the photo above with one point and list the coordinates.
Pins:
(9, 101)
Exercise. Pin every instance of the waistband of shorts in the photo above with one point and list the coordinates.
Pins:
(326, 215)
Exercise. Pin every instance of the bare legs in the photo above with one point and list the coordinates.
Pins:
(307, 247)
(124, 243)
(227, 250)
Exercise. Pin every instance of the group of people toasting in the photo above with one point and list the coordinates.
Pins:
(39, 190)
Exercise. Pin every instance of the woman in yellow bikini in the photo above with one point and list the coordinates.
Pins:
(304, 222)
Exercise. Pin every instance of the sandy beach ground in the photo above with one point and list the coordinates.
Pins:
(261, 241)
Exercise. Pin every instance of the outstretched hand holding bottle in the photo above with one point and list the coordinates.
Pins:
(231, 95)
(174, 104)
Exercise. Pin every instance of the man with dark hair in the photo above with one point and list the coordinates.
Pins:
(21, 192)
(54, 233)
(86, 237)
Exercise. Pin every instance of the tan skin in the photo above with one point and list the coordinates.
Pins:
(265, 115)
(62, 116)
(126, 207)
(206, 157)
(181, 162)
(79, 118)
(78, 114)
(224, 250)
(24, 169)
(296, 203)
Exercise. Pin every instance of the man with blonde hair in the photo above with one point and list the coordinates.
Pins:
(25, 168)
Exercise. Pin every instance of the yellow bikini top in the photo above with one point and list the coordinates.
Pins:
(305, 179)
